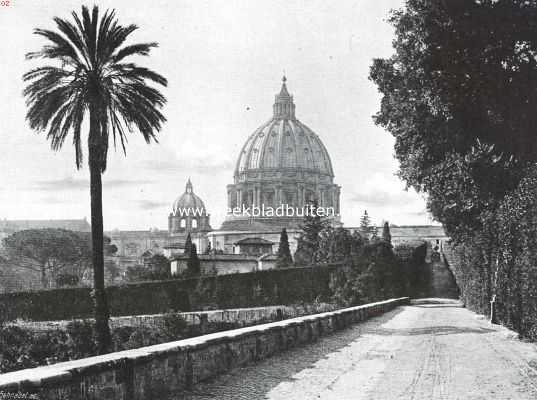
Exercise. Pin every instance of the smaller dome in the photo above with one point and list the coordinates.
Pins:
(189, 201)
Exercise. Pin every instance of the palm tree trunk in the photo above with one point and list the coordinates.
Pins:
(97, 236)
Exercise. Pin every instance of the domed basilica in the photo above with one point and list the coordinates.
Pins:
(283, 164)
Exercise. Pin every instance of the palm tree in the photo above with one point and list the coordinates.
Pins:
(91, 80)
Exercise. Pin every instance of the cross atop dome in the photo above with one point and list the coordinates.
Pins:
(284, 108)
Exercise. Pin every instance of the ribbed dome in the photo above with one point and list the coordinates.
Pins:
(284, 143)
(188, 201)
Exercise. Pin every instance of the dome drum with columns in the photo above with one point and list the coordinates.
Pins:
(282, 163)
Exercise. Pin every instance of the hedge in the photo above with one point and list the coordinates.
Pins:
(271, 287)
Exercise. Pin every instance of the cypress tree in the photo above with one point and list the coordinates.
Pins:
(284, 259)
(188, 245)
(193, 263)
(365, 225)
(307, 252)
(386, 235)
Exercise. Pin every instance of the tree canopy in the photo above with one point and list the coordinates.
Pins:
(459, 95)
(47, 251)
(94, 76)
(57, 254)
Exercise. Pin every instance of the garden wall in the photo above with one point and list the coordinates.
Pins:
(214, 319)
(262, 288)
(157, 371)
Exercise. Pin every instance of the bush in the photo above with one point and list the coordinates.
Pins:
(23, 348)
(377, 273)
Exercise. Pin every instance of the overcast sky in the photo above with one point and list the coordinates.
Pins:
(224, 61)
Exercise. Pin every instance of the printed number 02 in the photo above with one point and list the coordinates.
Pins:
(4, 3)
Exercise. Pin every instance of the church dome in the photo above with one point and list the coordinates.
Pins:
(284, 144)
(188, 201)
(282, 165)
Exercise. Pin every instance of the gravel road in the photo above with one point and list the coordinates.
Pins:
(432, 349)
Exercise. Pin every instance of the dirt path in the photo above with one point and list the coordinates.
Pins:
(430, 350)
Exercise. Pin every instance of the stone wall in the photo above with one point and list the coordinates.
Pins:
(156, 371)
(237, 317)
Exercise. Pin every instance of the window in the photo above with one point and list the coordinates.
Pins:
(183, 223)
(194, 223)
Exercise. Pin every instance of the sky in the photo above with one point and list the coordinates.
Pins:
(224, 61)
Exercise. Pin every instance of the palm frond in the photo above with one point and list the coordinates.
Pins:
(38, 72)
(132, 71)
(140, 49)
(103, 40)
(93, 76)
(60, 48)
(71, 32)
(44, 106)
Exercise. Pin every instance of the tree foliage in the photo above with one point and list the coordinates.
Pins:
(48, 251)
(458, 97)
(193, 265)
(155, 267)
(386, 235)
(188, 244)
(61, 257)
(93, 76)
(159, 265)
(284, 258)
(365, 225)
(307, 252)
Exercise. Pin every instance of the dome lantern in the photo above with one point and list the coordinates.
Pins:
(283, 103)
(188, 186)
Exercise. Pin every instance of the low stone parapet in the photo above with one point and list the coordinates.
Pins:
(155, 371)
(239, 317)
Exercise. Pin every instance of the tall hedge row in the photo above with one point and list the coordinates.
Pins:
(500, 261)
(282, 286)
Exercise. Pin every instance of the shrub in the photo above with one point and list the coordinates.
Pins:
(23, 348)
